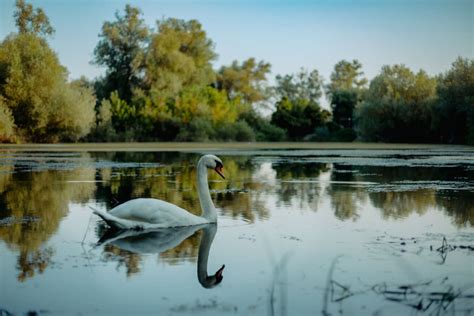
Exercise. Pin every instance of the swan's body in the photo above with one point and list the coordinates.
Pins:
(162, 239)
(152, 213)
(148, 214)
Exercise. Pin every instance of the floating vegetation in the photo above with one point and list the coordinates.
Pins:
(423, 245)
(229, 191)
(7, 221)
(65, 161)
(406, 186)
(445, 248)
(433, 297)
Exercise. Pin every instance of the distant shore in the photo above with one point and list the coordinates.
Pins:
(193, 146)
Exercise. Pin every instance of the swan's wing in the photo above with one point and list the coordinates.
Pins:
(152, 211)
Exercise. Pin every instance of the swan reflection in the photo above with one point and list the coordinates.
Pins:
(161, 240)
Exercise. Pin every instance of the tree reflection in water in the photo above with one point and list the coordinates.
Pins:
(307, 193)
(407, 190)
(44, 197)
(460, 208)
(43, 186)
(346, 197)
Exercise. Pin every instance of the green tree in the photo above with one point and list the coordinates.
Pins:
(31, 21)
(398, 106)
(346, 76)
(179, 56)
(121, 50)
(301, 86)
(343, 103)
(202, 112)
(245, 81)
(7, 125)
(297, 111)
(344, 91)
(455, 108)
(34, 88)
(71, 113)
(264, 130)
(29, 73)
(299, 117)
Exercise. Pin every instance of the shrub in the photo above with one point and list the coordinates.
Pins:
(7, 126)
(239, 131)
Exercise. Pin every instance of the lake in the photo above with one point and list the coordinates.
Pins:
(303, 229)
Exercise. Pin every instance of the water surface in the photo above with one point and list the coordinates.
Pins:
(301, 231)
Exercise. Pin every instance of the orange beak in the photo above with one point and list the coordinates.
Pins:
(218, 169)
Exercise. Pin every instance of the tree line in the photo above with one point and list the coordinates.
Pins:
(160, 85)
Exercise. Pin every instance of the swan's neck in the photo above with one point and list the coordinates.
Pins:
(206, 240)
(207, 207)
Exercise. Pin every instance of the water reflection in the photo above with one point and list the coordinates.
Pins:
(36, 202)
(176, 183)
(346, 196)
(461, 208)
(42, 186)
(396, 192)
(127, 246)
(307, 193)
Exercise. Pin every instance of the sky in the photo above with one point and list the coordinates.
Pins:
(422, 34)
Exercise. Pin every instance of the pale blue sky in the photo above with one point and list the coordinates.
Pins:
(427, 34)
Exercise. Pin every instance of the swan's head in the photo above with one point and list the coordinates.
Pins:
(213, 280)
(213, 162)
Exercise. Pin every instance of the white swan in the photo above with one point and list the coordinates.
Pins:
(145, 213)
(207, 281)
(162, 239)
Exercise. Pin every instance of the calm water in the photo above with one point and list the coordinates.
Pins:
(301, 232)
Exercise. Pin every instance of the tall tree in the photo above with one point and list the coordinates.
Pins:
(344, 91)
(346, 76)
(299, 117)
(179, 56)
(34, 88)
(297, 110)
(301, 86)
(122, 50)
(31, 21)
(398, 106)
(455, 108)
(7, 125)
(244, 80)
(45, 107)
(343, 103)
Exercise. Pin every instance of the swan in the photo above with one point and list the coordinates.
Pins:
(207, 281)
(146, 213)
(162, 239)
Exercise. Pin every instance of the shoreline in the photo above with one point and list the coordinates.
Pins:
(192, 146)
